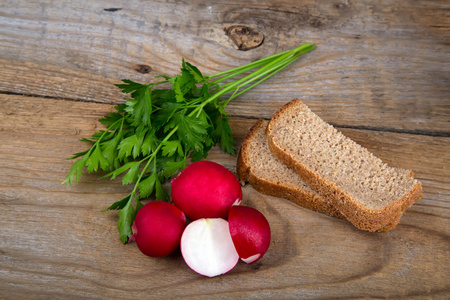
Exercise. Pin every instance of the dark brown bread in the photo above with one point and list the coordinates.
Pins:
(269, 176)
(370, 194)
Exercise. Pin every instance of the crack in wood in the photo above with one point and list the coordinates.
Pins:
(369, 128)
(395, 130)
(53, 97)
(112, 9)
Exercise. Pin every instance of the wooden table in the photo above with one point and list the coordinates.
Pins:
(380, 73)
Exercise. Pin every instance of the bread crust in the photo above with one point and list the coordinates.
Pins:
(363, 218)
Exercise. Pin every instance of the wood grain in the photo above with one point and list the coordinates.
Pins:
(375, 64)
(380, 74)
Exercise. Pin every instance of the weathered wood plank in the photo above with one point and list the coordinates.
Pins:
(380, 74)
(56, 242)
(379, 65)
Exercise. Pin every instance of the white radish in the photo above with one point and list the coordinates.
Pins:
(207, 247)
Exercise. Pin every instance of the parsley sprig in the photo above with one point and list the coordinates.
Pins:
(151, 136)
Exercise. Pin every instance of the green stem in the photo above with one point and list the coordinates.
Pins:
(275, 64)
(270, 73)
(255, 64)
(280, 61)
(259, 63)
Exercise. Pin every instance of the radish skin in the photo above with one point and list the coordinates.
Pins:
(157, 228)
(206, 189)
(250, 232)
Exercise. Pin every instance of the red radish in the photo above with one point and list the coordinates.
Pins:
(250, 232)
(205, 189)
(157, 228)
(207, 247)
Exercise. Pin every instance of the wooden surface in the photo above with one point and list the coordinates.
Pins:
(380, 73)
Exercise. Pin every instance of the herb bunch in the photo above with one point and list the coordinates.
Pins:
(151, 136)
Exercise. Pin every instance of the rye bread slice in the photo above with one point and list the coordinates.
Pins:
(369, 193)
(256, 165)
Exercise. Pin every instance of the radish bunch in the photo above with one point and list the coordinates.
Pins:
(220, 231)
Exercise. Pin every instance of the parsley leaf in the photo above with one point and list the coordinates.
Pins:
(125, 147)
(140, 107)
(126, 218)
(191, 131)
(147, 185)
(169, 148)
(132, 173)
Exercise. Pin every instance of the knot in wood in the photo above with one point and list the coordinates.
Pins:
(244, 37)
(143, 69)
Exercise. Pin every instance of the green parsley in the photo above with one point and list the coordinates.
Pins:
(151, 136)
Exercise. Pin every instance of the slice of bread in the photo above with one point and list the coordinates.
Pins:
(369, 193)
(256, 165)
